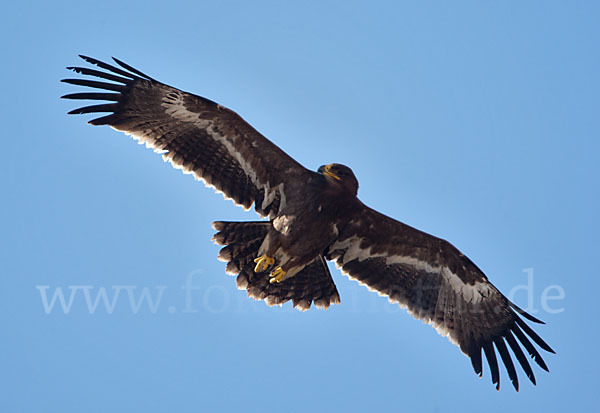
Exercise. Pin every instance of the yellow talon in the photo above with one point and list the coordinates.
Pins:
(263, 262)
(277, 275)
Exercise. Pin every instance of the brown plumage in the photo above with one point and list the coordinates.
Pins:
(312, 217)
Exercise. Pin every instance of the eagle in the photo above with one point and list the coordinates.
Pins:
(309, 218)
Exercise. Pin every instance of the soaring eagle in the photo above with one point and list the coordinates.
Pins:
(312, 217)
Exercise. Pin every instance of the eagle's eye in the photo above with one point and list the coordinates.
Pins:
(337, 171)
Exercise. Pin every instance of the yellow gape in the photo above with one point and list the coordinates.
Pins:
(327, 171)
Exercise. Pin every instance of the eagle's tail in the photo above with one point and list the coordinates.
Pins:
(242, 241)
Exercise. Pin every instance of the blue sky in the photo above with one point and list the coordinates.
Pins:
(473, 121)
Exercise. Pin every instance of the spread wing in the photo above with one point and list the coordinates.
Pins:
(439, 285)
(195, 134)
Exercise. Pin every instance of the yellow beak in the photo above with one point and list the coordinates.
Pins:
(326, 170)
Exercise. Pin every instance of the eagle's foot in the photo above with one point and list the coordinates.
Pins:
(277, 275)
(263, 262)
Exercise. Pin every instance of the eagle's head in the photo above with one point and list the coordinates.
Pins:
(341, 175)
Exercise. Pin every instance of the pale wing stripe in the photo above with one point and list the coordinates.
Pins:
(439, 327)
(175, 106)
(470, 293)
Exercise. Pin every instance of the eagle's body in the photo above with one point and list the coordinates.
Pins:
(312, 217)
(320, 203)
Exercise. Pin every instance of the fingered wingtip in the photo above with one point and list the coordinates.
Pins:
(131, 69)
(86, 58)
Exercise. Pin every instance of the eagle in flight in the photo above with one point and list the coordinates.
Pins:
(312, 217)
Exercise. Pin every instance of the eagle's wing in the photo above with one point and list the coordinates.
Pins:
(439, 285)
(195, 134)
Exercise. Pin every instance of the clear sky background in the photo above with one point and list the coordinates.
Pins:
(475, 121)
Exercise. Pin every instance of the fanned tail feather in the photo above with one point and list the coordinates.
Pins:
(242, 241)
